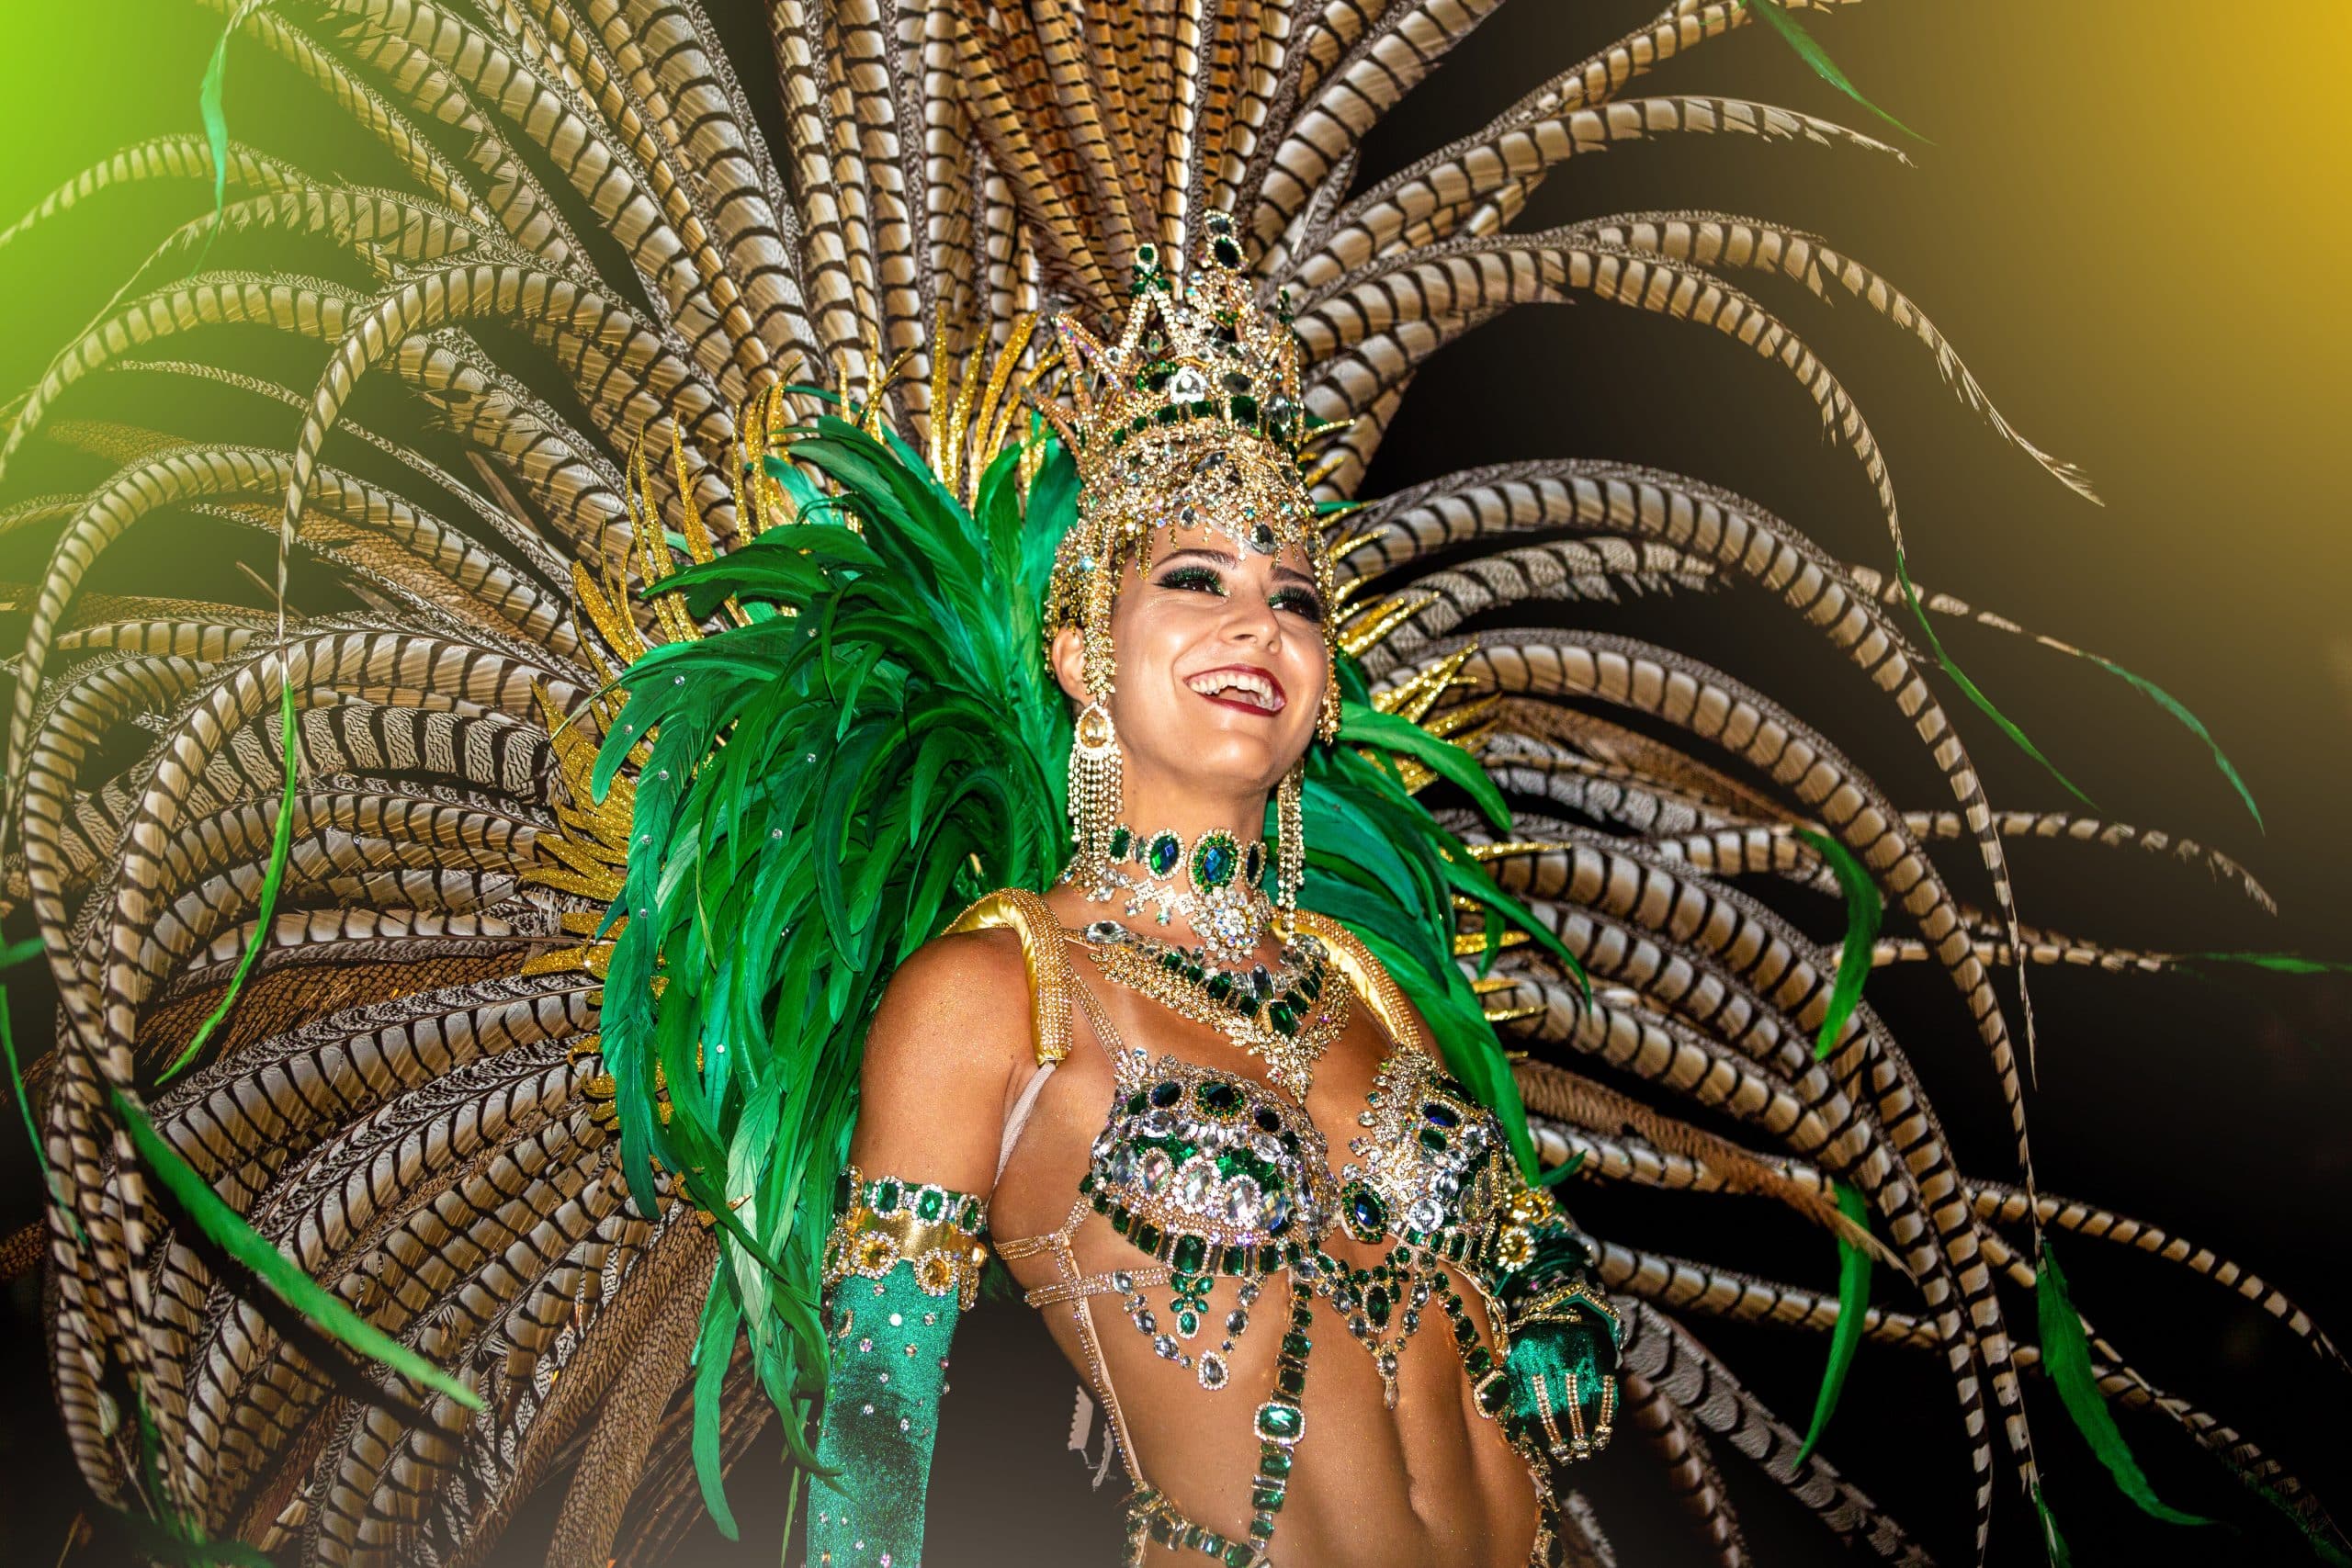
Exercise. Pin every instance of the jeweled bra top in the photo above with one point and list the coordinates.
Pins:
(1215, 1173)
(1212, 1173)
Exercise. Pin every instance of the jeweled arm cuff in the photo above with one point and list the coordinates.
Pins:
(936, 1231)
(1541, 1257)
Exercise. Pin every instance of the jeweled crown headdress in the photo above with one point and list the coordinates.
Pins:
(1191, 416)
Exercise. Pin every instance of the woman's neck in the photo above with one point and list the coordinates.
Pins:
(1189, 815)
(1188, 819)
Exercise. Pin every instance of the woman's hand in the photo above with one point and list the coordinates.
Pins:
(1560, 1378)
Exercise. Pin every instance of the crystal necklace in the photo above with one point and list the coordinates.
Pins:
(1221, 901)
(1285, 1019)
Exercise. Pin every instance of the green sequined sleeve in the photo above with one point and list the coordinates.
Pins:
(902, 1264)
(1556, 1393)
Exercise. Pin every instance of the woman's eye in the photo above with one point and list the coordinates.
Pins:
(1298, 602)
(1193, 579)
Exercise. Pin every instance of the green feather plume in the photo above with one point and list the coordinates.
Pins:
(1792, 33)
(1853, 1305)
(2066, 1352)
(1863, 910)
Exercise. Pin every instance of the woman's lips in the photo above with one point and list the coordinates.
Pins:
(1244, 686)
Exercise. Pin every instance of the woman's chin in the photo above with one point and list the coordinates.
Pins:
(1226, 764)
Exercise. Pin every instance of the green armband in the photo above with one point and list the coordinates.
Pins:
(902, 1263)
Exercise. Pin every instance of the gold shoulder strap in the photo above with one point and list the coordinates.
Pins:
(1050, 979)
(1365, 974)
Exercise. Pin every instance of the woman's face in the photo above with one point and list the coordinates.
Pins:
(1220, 661)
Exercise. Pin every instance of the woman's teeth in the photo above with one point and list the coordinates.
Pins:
(1237, 685)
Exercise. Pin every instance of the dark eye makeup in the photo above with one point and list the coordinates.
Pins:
(1300, 601)
(1192, 579)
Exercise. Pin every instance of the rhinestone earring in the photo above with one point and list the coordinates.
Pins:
(1095, 787)
(1290, 839)
(1327, 719)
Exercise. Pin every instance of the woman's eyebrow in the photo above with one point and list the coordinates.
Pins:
(1220, 557)
(1231, 563)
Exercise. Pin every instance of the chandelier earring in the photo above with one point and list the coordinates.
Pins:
(1290, 841)
(1327, 718)
(1096, 781)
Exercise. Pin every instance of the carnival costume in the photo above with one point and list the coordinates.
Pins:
(557, 883)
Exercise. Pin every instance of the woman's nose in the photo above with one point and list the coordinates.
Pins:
(1248, 615)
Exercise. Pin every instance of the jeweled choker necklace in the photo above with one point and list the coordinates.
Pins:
(1221, 901)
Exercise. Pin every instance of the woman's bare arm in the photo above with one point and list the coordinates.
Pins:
(948, 1047)
(902, 1262)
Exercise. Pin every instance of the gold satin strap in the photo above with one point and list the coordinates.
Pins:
(1041, 950)
(1365, 974)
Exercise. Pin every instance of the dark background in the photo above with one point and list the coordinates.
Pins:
(2130, 219)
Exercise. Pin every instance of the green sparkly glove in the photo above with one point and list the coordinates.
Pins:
(1555, 1392)
(1560, 1389)
(901, 1264)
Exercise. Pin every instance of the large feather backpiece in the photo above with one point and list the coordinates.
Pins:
(590, 249)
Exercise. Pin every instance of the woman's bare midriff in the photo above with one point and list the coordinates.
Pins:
(1429, 1482)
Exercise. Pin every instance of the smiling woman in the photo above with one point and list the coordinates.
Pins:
(950, 421)
(1242, 634)
(1187, 620)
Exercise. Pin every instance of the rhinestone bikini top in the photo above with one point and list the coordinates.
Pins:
(1215, 1173)
(1197, 1164)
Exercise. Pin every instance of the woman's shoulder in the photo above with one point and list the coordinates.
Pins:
(1000, 967)
(955, 1012)
(983, 963)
